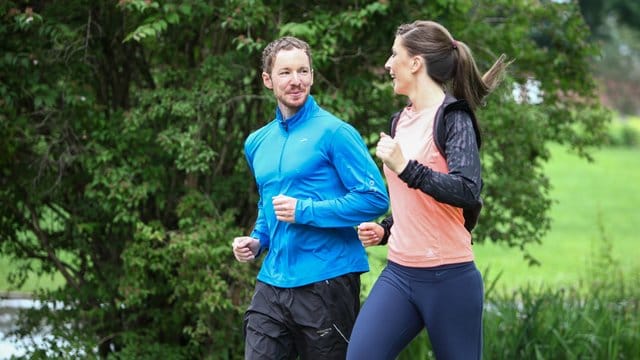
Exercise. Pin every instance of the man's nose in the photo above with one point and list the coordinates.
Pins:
(295, 77)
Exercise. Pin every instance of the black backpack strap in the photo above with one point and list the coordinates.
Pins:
(394, 123)
(440, 124)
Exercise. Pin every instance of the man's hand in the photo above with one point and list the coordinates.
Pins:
(388, 150)
(285, 208)
(245, 248)
(370, 233)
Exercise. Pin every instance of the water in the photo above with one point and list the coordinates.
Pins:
(8, 315)
(11, 346)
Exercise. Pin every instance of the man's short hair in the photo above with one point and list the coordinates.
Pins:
(284, 43)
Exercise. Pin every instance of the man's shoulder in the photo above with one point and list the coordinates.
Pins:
(261, 132)
(331, 121)
(324, 113)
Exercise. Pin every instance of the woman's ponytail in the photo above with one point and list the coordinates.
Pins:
(468, 83)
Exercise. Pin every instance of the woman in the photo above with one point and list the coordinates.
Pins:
(430, 280)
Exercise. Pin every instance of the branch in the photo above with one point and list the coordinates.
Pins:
(44, 241)
(88, 35)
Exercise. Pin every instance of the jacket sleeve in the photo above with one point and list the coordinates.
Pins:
(366, 197)
(461, 186)
(260, 229)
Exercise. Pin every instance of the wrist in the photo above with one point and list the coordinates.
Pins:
(399, 169)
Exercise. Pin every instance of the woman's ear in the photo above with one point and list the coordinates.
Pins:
(416, 63)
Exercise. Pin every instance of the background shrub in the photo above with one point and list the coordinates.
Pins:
(625, 133)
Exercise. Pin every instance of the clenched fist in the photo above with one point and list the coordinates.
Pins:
(370, 233)
(285, 208)
(388, 150)
(245, 248)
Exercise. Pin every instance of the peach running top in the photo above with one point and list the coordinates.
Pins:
(425, 232)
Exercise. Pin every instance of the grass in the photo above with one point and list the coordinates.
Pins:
(32, 283)
(593, 201)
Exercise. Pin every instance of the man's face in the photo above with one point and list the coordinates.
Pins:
(290, 79)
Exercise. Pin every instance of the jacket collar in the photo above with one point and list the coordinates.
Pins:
(307, 108)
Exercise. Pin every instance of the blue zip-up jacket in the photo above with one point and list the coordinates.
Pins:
(323, 162)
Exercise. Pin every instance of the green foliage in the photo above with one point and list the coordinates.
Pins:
(625, 133)
(193, 282)
(598, 320)
(122, 124)
(613, 24)
(563, 324)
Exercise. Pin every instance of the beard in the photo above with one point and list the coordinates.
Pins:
(294, 100)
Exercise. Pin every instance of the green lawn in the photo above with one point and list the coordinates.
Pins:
(31, 284)
(589, 196)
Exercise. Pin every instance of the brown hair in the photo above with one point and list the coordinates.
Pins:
(284, 43)
(450, 62)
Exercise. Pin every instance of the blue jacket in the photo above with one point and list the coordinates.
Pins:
(323, 162)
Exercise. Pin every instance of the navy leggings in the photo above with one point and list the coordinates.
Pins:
(447, 300)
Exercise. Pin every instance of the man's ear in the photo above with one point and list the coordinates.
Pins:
(266, 80)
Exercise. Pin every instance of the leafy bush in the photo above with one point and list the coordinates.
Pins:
(625, 133)
(563, 324)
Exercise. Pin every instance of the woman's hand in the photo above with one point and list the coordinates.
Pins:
(388, 150)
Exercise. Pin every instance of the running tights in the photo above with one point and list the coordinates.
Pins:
(446, 300)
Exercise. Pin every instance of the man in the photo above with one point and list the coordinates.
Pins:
(316, 182)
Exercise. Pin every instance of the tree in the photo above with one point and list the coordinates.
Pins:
(596, 13)
(613, 24)
(122, 127)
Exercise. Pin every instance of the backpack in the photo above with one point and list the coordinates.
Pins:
(472, 213)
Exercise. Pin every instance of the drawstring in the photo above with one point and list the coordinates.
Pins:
(341, 334)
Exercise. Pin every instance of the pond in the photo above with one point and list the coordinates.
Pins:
(8, 314)
(9, 308)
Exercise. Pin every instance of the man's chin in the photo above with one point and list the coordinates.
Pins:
(296, 101)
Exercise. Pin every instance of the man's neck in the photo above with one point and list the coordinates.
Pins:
(288, 112)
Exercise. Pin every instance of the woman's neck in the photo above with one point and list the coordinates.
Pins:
(427, 94)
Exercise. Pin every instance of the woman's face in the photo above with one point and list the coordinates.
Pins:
(399, 66)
